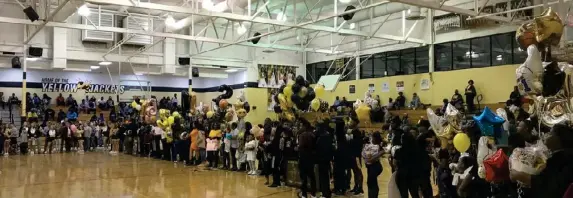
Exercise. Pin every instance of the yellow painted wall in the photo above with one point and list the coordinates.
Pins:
(494, 83)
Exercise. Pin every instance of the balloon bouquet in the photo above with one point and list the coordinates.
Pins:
(540, 78)
(297, 99)
(242, 108)
(448, 127)
(150, 111)
(222, 105)
(545, 81)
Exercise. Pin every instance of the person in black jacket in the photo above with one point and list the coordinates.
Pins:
(342, 159)
(306, 151)
(324, 156)
(181, 144)
(277, 155)
(356, 142)
(470, 95)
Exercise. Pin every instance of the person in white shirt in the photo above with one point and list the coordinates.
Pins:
(251, 151)
(156, 144)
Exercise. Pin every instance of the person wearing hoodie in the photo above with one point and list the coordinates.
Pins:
(356, 142)
(277, 155)
(181, 142)
(306, 151)
(342, 159)
(324, 142)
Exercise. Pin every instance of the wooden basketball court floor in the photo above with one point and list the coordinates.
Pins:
(102, 175)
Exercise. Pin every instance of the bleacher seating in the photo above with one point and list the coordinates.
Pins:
(415, 115)
(82, 115)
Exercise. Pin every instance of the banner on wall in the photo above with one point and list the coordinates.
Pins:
(400, 86)
(371, 88)
(274, 76)
(425, 84)
(66, 86)
(351, 89)
(270, 99)
(385, 87)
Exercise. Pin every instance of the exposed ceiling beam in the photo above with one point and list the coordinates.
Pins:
(446, 8)
(238, 17)
(51, 17)
(157, 34)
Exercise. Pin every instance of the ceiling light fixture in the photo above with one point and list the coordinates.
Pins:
(32, 58)
(170, 21)
(241, 29)
(94, 67)
(105, 63)
(344, 1)
(281, 16)
(352, 26)
(231, 70)
(84, 10)
(219, 7)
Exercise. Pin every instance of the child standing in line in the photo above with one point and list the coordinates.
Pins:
(193, 147)
(201, 144)
(226, 149)
(213, 146)
(251, 152)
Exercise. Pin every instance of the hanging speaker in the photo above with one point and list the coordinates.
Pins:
(16, 62)
(347, 17)
(195, 72)
(256, 40)
(31, 14)
(35, 51)
(184, 60)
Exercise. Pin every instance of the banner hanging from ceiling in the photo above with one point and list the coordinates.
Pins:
(274, 76)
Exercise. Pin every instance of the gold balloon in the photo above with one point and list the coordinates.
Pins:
(319, 90)
(170, 120)
(133, 104)
(210, 114)
(548, 27)
(282, 101)
(287, 91)
(462, 142)
(289, 102)
(303, 91)
(288, 115)
(315, 104)
(363, 113)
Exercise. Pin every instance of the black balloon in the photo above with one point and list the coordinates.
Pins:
(277, 109)
(296, 99)
(310, 95)
(228, 93)
(282, 88)
(247, 107)
(296, 88)
(299, 80)
(307, 84)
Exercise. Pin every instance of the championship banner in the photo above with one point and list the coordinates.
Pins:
(274, 76)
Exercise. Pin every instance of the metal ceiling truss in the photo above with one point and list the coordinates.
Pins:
(236, 17)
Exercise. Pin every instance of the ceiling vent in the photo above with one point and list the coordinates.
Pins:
(138, 23)
(414, 13)
(102, 20)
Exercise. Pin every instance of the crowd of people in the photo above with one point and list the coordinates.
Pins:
(337, 147)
